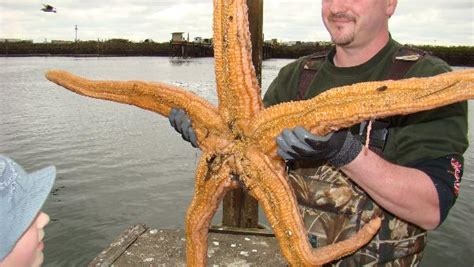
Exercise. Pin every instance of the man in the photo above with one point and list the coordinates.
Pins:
(410, 176)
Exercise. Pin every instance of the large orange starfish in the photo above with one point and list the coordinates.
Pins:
(237, 137)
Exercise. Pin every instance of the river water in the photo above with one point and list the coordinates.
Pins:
(120, 165)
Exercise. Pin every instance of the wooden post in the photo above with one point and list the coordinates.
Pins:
(256, 32)
(239, 208)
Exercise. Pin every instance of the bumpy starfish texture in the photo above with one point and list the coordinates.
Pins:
(345, 106)
(238, 137)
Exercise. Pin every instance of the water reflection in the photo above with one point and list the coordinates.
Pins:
(178, 61)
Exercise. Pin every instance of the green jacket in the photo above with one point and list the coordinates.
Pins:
(415, 137)
(332, 206)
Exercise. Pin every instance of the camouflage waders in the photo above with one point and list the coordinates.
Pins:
(334, 208)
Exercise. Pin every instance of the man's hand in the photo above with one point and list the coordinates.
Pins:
(182, 124)
(338, 148)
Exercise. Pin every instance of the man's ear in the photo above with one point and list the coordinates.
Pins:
(391, 6)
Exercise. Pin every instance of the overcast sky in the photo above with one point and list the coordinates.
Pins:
(415, 21)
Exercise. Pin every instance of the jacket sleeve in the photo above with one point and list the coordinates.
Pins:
(433, 141)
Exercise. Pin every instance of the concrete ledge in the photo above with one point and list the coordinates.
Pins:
(141, 246)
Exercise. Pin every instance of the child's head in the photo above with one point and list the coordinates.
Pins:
(21, 197)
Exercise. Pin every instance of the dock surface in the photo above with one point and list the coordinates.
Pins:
(141, 246)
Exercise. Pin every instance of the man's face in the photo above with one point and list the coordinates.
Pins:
(356, 22)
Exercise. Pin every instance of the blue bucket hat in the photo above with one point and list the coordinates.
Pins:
(21, 197)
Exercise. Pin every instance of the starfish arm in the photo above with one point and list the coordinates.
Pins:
(211, 186)
(237, 85)
(345, 106)
(157, 97)
(268, 184)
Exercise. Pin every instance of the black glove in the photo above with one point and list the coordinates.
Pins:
(338, 148)
(182, 124)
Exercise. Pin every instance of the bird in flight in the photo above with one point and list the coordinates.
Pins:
(48, 8)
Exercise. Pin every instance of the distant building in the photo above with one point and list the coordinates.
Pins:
(177, 37)
(271, 42)
(290, 43)
(200, 40)
(207, 41)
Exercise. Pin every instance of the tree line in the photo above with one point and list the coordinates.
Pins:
(454, 55)
(113, 47)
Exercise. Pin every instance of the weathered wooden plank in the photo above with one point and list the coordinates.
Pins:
(118, 247)
(260, 231)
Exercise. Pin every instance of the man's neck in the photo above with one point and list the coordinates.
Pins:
(350, 56)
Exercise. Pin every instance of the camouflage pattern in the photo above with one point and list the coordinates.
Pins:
(334, 209)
